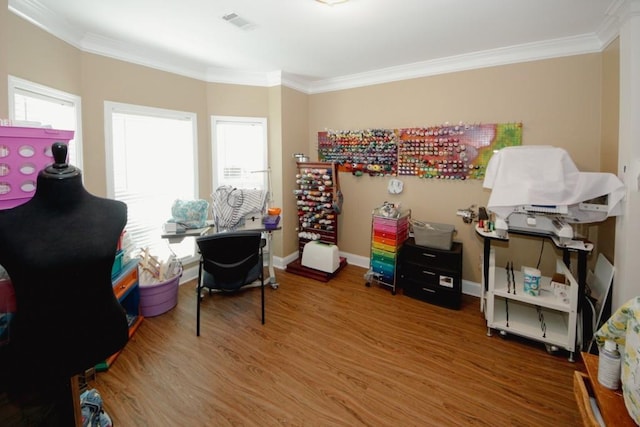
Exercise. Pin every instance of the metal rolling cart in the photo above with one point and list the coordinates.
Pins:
(389, 230)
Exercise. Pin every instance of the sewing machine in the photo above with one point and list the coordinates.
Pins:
(521, 176)
(537, 219)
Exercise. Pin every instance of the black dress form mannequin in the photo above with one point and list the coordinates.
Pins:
(58, 249)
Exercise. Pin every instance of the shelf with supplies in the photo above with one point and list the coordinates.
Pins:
(568, 247)
(318, 202)
(317, 197)
(550, 317)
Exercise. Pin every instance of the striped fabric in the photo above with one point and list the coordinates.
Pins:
(230, 205)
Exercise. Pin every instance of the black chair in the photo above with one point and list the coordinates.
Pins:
(229, 261)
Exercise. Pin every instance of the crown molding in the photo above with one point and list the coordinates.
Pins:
(44, 18)
(569, 46)
(610, 27)
(243, 77)
(141, 55)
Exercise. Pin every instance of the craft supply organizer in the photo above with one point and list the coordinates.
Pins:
(387, 236)
(318, 201)
(24, 152)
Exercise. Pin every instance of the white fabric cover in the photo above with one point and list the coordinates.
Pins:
(545, 175)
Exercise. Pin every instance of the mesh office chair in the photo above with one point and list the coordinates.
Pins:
(228, 262)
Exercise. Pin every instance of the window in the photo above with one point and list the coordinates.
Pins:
(151, 162)
(239, 152)
(32, 104)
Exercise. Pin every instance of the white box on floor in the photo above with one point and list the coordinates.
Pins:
(321, 256)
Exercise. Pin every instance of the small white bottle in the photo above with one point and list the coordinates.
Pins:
(609, 366)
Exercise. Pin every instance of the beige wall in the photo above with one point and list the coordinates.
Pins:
(105, 79)
(558, 101)
(276, 139)
(610, 127)
(237, 100)
(35, 55)
(295, 127)
(4, 59)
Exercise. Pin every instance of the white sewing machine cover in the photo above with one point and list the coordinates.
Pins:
(546, 175)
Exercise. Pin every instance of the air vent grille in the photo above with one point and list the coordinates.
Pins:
(238, 21)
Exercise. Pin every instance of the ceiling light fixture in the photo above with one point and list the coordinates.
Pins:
(331, 2)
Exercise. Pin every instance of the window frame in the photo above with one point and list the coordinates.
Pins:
(262, 121)
(111, 107)
(18, 85)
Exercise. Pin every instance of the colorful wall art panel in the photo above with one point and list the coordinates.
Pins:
(370, 151)
(445, 151)
(453, 151)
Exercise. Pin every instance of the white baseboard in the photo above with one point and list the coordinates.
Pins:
(471, 288)
(468, 287)
(189, 274)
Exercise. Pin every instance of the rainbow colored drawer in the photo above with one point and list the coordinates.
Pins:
(387, 236)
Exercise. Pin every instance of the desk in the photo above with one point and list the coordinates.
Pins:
(196, 232)
(610, 402)
(178, 237)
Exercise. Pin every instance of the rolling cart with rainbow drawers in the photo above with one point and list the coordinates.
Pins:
(387, 236)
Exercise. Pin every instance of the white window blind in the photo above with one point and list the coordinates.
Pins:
(152, 163)
(239, 150)
(31, 104)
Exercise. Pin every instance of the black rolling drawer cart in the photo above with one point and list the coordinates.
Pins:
(432, 275)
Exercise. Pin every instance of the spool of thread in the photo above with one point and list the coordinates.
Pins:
(609, 366)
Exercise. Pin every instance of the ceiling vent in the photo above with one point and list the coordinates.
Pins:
(238, 21)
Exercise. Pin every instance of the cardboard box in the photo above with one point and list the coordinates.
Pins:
(560, 287)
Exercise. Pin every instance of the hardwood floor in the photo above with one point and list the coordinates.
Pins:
(332, 354)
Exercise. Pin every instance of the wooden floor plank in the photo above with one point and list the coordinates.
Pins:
(336, 353)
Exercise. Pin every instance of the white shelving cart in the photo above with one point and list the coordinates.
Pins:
(548, 318)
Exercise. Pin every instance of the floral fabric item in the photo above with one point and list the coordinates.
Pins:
(624, 328)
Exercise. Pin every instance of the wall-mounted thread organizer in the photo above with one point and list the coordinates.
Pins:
(447, 151)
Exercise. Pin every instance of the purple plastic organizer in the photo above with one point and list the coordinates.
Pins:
(24, 152)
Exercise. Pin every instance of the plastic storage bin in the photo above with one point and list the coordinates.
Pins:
(433, 235)
(23, 153)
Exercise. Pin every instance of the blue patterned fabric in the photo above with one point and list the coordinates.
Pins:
(190, 213)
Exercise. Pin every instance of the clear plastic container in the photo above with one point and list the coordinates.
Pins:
(609, 366)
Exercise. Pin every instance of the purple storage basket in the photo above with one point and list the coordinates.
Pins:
(158, 298)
